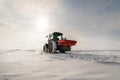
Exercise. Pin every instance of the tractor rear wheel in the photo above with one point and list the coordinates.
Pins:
(52, 46)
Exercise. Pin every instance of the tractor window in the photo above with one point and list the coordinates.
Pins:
(50, 37)
(59, 37)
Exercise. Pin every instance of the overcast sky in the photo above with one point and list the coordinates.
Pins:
(95, 24)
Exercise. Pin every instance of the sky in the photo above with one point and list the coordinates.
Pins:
(95, 24)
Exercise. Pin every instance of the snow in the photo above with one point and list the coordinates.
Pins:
(17, 64)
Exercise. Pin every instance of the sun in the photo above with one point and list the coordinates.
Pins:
(42, 23)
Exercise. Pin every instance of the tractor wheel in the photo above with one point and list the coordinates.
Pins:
(52, 47)
(62, 51)
(45, 48)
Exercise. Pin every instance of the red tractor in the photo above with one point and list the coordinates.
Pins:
(57, 42)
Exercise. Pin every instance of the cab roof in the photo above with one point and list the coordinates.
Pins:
(57, 33)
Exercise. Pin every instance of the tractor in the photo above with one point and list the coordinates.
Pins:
(57, 42)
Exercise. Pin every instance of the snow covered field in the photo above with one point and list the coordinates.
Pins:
(19, 64)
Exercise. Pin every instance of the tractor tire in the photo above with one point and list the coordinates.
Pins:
(62, 51)
(45, 48)
(52, 46)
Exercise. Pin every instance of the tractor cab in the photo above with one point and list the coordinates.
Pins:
(55, 36)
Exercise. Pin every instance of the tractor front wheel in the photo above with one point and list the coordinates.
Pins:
(45, 48)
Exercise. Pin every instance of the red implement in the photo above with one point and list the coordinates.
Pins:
(66, 42)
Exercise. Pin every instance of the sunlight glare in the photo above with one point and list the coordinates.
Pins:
(42, 23)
